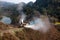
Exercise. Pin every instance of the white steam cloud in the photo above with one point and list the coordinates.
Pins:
(5, 20)
(42, 25)
(20, 9)
(23, 16)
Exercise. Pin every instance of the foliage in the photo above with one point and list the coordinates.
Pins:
(52, 7)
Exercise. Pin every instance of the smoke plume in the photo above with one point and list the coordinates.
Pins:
(41, 24)
(5, 20)
(20, 9)
(23, 16)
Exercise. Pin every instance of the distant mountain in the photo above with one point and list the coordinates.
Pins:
(5, 4)
(30, 4)
(7, 8)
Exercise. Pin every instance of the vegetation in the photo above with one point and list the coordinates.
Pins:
(45, 7)
(50, 8)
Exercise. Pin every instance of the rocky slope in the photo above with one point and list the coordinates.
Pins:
(9, 32)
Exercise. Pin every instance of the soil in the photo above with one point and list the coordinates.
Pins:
(9, 32)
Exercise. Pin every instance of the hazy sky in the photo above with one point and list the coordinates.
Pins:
(18, 1)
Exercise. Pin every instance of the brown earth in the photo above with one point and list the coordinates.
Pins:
(9, 32)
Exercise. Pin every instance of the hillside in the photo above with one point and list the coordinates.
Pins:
(5, 4)
(9, 32)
